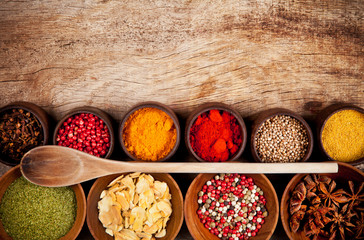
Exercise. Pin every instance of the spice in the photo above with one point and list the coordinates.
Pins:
(149, 134)
(231, 206)
(321, 209)
(281, 139)
(135, 207)
(20, 131)
(85, 132)
(216, 136)
(31, 212)
(343, 136)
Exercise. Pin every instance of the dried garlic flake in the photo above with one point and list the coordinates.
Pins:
(134, 207)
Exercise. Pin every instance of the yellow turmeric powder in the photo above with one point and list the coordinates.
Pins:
(343, 136)
(149, 134)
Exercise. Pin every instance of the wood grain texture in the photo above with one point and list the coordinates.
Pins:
(253, 55)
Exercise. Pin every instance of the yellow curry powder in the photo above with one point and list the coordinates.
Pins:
(149, 134)
(343, 136)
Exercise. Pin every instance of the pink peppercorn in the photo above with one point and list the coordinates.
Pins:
(85, 132)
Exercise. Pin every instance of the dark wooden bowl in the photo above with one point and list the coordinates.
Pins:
(95, 111)
(160, 106)
(210, 106)
(267, 114)
(346, 172)
(197, 229)
(15, 173)
(173, 225)
(39, 113)
(321, 120)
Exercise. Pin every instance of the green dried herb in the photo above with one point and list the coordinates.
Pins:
(20, 131)
(31, 212)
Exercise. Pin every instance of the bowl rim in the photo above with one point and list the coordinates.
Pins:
(80, 200)
(269, 113)
(90, 110)
(194, 183)
(38, 113)
(212, 106)
(157, 105)
(322, 119)
(285, 195)
(113, 176)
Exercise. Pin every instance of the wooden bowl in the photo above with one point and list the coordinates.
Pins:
(321, 120)
(197, 229)
(159, 106)
(267, 114)
(210, 106)
(95, 111)
(346, 172)
(98, 231)
(15, 173)
(39, 113)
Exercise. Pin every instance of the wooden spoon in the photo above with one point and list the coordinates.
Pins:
(55, 166)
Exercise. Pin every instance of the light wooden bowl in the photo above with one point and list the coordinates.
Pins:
(346, 172)
(95, 111)
(160, 106)
(321, 120)
(15, 173)
(39, 113)
(210, 106)
(267, 114)
(197, 229)
(98, 231)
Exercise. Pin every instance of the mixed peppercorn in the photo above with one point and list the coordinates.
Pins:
(85, 132)
(232, 207)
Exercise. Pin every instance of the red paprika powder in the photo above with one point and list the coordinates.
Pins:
(216, 136)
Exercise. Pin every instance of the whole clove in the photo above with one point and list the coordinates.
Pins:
(20, 131)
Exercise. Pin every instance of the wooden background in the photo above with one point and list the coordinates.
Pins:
(302, 55)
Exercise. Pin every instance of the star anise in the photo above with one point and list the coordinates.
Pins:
(313, 231)
(341, 223)
(317, 219)
(355, 198)
(318, 215)
(324, 179)
(298, 196)
(359, 227)
(329, 196)
(297, 218)
(310, 183)
(313, 181)
(313, 198)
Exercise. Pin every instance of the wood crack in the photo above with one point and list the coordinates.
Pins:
(50, 68)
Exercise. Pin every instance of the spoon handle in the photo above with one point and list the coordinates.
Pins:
(229, 167)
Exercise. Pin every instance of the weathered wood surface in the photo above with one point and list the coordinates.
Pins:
(253, 55)
(302, 55)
